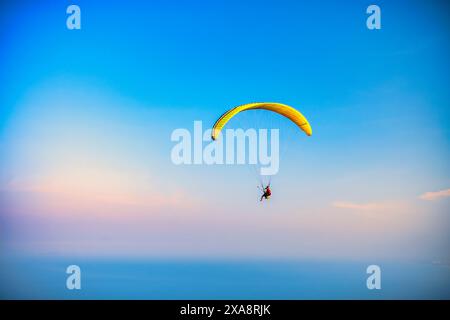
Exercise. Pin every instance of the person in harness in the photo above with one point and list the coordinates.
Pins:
(266, 193)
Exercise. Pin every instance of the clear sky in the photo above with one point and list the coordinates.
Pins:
(86, 117)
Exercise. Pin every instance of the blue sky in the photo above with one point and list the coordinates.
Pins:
(86, 117)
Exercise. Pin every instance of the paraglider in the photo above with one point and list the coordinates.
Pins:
(287, 111)
(266, 193)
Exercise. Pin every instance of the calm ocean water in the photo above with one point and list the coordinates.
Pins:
(45, 278)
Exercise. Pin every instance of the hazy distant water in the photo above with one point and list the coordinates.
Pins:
(45, 278)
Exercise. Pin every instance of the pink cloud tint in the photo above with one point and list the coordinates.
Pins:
(431, 196)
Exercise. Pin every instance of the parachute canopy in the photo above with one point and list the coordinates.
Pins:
(283, 109)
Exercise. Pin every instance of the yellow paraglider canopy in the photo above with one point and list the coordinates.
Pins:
(283, 109)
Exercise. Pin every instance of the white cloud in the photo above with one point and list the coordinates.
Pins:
(370, 206)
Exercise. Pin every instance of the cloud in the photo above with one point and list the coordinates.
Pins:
(95, 191)
(371, 206)
(431, 196)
